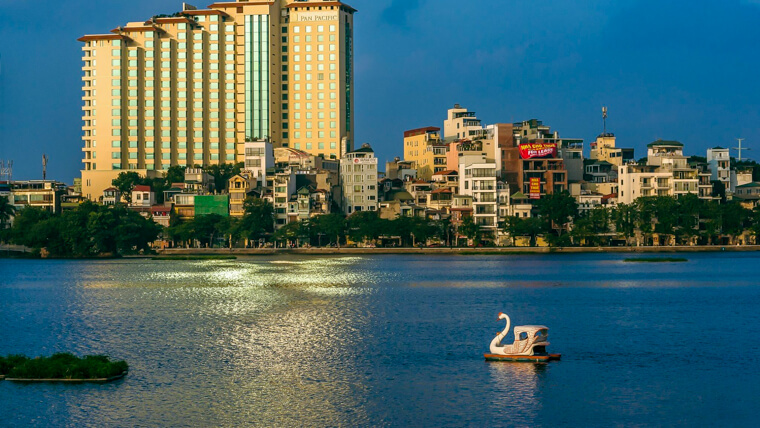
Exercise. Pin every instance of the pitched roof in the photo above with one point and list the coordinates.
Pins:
(519, 195)
(141, 188)
(420, 131)
(752, 184)
(447, 172)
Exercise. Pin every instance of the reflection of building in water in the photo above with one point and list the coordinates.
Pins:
(516, 389)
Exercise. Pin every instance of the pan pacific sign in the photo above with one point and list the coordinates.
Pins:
(317, 17)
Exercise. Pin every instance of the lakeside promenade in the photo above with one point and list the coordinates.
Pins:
(446, 250)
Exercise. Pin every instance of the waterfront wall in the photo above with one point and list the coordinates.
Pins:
(464, 251)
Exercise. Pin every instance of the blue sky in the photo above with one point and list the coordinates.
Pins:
(684, 70)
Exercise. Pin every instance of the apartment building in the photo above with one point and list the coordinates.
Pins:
(635, 181)
(193, 87)
(239, 187)
(605, 149)
(668, 157)
(478, 180)
(43, 194)
(423, 147)
(358, 177)
(719, 162)
(283, 189)
(259, 156)
(461, 124)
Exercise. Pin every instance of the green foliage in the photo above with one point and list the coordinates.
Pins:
(365, 226)
(125, 182)
(222, 173)
(175, 174)
(531, 227)
(258, 220)
(558, 209)
(470, 230)
(328, 229)
(61, 366)
(87, 231)
(7, 210)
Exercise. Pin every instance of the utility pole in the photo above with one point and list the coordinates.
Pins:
(740, 149)
(44, 166)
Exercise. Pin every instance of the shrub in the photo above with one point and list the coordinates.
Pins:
(62, 366)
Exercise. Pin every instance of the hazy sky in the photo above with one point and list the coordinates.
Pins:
(675, 69)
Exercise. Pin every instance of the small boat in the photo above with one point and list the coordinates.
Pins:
(529, 345)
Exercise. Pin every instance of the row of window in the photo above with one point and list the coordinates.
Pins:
(167, 145)
(168, 133)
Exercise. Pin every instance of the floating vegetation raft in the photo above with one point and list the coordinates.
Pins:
(62, 367)
(195, 258)
(656, 260)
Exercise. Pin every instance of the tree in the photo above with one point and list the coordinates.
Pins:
(688, 211)
(7, 210)
(175, 174)
(364, 226)
(531, 227)
(625, 220)
(755, 222)
(89, 230)
(332, 226)
(470, 230)
(734, 219)
(207, 227)
(290, 232)
(125, 182)
(258, 219)
(558, 209)
(222, 174)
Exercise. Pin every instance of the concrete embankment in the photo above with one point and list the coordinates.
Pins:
(458, 251)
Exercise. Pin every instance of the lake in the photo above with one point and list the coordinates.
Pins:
(388, 340)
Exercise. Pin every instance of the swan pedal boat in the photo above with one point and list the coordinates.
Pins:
(529, 345)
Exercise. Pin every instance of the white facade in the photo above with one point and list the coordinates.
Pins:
(479, 181)
(358, 178)
(284, 187)
(635, 181)
(719, 161)
(259, 155)
(143, 197)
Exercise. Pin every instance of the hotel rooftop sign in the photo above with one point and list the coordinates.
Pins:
(316, 16)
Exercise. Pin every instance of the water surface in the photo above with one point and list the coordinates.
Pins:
(388, 340)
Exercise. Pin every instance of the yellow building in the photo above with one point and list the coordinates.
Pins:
(191, 88)
(605, 149)
(424, 147)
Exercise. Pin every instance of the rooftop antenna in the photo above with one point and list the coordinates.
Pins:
(44, 166)
(604, 119)
(740, 149)
(6, 170)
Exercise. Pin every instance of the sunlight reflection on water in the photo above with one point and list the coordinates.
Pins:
(385, 341)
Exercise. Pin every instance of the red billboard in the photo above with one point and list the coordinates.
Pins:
(535, 188)
(538, 150)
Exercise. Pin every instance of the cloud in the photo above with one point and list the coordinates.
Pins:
(397, 13)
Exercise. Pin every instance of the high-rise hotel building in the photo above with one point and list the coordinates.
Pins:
(192, 88)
